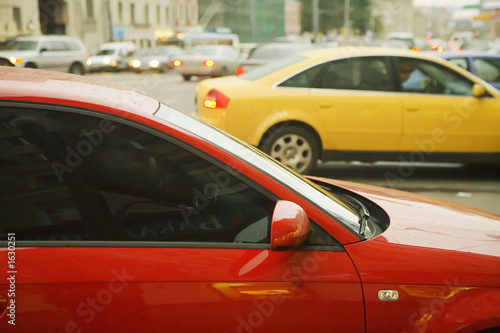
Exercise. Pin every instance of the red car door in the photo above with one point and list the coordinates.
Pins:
(118, 229)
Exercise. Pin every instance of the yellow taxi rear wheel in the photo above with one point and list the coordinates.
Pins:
(293, 146)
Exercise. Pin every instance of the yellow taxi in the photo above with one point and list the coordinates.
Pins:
(358, 103)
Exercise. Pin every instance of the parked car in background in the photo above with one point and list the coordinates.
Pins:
(458, 38)
(59, 53)
(269, 52)
(494, 49)
(438, 45)
(486, 66)
(137, 217)
(357, 103)
(407, 37)
(134, 56)
(111, 57)
(477, 45)
(157, 59)
(207, 60)
(399, 44)
(188, 40)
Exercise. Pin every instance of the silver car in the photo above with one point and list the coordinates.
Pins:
(208, 60)
(59, 53)
(155, 59)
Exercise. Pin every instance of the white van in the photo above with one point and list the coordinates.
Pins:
(191, 39)
(111, 56)
(52, 52)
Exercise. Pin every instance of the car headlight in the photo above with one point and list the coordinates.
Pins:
(106, 61)
(135, 63)
(154, 63)
(89, 61)
(16, 61)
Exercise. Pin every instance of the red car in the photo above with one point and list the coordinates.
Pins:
(121, 214)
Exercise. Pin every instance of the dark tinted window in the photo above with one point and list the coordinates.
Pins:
(304, 79)
(363, 73)
(20, 45)
(66, 177)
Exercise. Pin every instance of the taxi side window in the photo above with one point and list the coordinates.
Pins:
(304, 79)
(364, 73)
(70, 177)
(488, 69)
(420, 76)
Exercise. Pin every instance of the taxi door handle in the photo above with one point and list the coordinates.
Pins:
(412, 109)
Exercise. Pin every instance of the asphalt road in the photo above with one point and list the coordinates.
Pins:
(474, 186)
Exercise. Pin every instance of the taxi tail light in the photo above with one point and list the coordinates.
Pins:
(215, 100)
(208, 63)
(177, 63)
(240, 70)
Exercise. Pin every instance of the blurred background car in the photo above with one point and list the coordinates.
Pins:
(268, 52)
(485, 66)
(476, 45)
(156, 59)
(111, 57)
(207, 60)
(59, 53)
(133, 56)
(438, 44)
(357, 104)
(399, 44)
(407, 37)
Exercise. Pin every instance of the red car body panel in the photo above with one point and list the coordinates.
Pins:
(176, 289)
(446, 270)
(442, 258)
(414, 221)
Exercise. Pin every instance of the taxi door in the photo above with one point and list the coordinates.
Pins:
(358, 106)
(441, 115)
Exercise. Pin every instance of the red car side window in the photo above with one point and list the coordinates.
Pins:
(71, 177)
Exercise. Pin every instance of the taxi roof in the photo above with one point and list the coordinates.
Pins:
(348, 51)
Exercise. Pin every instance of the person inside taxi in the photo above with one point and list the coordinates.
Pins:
(405, 68)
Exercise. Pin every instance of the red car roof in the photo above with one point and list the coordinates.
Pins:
(36, 85)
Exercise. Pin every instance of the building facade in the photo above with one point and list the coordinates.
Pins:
(255, 21)
(99, 21)
(18, 18)
(394, 16)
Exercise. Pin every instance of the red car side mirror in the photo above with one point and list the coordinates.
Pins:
(289, 226)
